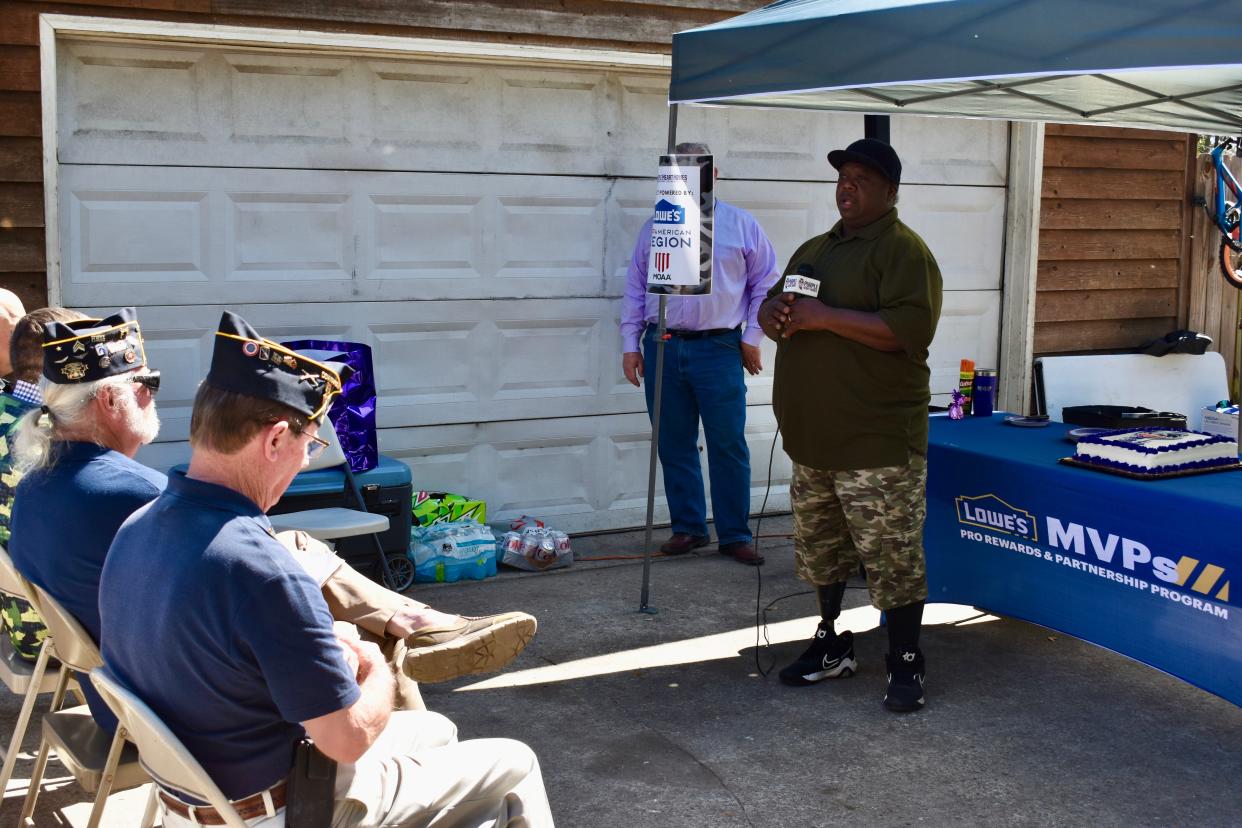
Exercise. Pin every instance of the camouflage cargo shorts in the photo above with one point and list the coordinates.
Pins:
(870, 515)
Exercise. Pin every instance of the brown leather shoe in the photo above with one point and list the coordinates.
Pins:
(473, 645)
(681, 543)
(742, 552)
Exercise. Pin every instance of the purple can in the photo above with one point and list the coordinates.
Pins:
(983, 393)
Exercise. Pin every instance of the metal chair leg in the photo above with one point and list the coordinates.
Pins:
(23, 718)
(107, 778)
(153, 807)
(36, 775)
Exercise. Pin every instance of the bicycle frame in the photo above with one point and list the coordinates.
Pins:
(1225, 214)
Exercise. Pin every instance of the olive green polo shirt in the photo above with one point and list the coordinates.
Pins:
(841, 404)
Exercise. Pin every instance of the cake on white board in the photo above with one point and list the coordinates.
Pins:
(1157, 450)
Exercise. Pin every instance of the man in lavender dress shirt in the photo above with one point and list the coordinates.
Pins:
(703, 361)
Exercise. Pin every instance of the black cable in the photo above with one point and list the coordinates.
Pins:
(759, 569)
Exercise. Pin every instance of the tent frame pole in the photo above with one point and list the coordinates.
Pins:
(644, 605)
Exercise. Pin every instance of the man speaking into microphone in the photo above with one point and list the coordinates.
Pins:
(704, 357)
(853, 319)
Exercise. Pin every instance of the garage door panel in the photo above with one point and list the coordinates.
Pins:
(969, 321)
(122, 97)
(432, 236)
(965, 229)
(596, 468)
(152, 237)
(281, 236)
(274, 99)
(951, 150)
(418, 106)
(550, 236)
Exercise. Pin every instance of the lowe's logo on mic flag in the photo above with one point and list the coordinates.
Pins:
(680, 258)
(666, 213)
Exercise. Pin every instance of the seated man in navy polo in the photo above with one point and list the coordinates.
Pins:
(215, 582)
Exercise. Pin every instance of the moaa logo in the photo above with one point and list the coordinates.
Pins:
(991, 513)
(668, 213)
(662, 261)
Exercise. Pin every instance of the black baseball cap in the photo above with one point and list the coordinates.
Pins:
(873, 153)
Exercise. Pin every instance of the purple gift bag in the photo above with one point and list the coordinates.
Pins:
(353, 411)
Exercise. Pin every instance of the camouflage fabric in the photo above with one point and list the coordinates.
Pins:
(11, 410)
(870, 515)
(17, 617)
(23, 624)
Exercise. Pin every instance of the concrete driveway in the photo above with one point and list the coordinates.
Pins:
(649, 721)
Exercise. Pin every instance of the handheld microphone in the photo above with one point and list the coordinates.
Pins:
(802, 281)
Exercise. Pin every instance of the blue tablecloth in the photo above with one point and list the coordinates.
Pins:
(1140, 567)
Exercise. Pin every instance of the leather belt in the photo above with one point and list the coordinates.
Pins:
(248, 808)
(700, 334)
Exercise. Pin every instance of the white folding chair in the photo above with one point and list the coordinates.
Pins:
(99, 764)
(18, 674)
(162, 754)
(333, 523)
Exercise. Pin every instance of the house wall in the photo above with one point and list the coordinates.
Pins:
(1113, 239)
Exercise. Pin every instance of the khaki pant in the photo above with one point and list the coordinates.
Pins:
(355, 598)
(418, 775)
(402, 781)
(870, 515)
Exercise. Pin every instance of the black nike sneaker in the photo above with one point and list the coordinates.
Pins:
(905, 681)
(829, 656)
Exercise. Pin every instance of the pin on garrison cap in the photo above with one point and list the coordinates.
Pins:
(245, 363)
(87, 350)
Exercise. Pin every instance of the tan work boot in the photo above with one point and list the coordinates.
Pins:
(475, 645)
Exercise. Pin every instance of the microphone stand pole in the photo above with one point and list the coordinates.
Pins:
(643, 605)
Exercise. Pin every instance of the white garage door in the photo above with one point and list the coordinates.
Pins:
(471, 222)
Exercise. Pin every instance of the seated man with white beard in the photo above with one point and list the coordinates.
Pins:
(82, 481)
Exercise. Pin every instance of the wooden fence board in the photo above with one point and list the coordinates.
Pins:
(1109, 132)
(1099, 335)
(1120, 184)
(1120, 153)
(1113, 244)
(1107, 274)
(1109, 214)
(1087, 305)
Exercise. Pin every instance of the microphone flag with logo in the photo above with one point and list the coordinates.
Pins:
(680, 260)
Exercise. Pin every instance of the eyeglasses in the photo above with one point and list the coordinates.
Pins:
(315, 447)
(151, 380)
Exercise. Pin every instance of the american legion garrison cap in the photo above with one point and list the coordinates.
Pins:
(87, 350)
(245, 363)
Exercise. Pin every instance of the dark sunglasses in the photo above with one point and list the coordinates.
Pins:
(151, 381)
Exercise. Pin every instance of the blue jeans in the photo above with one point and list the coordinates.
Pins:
(703, 379)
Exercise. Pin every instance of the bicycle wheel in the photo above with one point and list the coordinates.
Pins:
(1230, 263)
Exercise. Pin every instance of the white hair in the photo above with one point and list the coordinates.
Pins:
(64, 409)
